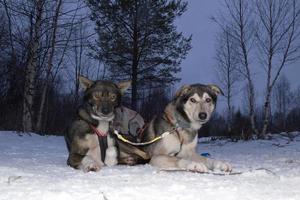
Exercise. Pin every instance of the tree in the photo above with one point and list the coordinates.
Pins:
(49, 65)
(137, 40)
(227, 70)
(278, 42)
(282, 96)
(155, 102)
(241, 127)
(32, 64)
(239, 18)
(37, 42)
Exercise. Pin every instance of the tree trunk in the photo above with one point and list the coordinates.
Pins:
(49, 68)
(229, 86)
(251, 107)
(247, 68)
(30, 72)
(266, 114)
(134, 78)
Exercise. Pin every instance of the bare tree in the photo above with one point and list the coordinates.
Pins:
(239, 16)
(278, 42)
(227, 70)
(49, 64)
(31, 65)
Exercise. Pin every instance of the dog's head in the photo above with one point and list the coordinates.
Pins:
(102, 97)
(196, 103)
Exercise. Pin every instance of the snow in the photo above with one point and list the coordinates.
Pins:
(34, 167)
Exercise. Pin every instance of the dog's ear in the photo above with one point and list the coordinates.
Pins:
(123, 86)
(215, 89)
(182, 91)
(85, 83)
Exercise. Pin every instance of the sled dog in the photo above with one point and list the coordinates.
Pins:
(191, 107)
(88, 139)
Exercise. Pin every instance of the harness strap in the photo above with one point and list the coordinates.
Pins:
(170, 120)
(98, 132)
(120, 137)
(181, 142)
(102, 139)
(141, 131)
(103, 146)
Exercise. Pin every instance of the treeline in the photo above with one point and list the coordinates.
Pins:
(43, 48)
(45, 45)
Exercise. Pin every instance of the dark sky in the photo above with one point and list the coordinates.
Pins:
(199, 64)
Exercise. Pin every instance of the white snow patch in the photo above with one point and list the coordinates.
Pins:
(34, 167)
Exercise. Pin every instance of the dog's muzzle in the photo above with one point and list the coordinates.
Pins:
(202, 116)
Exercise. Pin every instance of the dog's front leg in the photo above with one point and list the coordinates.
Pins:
(211, 164)
(111, 152)
(172, 162)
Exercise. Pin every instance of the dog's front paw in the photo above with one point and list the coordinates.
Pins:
(89, 164)
(223, 166)
(197, 167)
(193, 166)
(111, 156)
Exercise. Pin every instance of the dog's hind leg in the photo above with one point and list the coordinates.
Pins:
(172, 162)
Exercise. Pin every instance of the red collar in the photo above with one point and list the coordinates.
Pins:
(98, 132)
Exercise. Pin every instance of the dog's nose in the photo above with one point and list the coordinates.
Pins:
(202, 116)
(105, 111)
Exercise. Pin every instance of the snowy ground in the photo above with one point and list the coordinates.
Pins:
(35, 168)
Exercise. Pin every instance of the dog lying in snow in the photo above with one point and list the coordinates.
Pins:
(89, 140)
(191, 107)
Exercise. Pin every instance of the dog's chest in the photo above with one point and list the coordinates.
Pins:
(103, 126)
(179, 145)
(187, 148)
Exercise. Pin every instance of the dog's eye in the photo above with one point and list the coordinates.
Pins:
(96, 96)
(113, 97)
(193, 100)
(208, 100)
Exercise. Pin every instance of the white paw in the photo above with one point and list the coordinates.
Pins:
(193, 166)
(111, 156)
(197, 167)
(223, 166)
(88, 164)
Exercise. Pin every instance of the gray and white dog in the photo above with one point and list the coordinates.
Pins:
(191, 107)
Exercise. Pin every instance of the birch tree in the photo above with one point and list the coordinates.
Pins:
(239, 16)
(227, 70)
(31, 65)
(278, 42)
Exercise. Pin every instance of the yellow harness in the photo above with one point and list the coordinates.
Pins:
(120, 137)
(167, 117)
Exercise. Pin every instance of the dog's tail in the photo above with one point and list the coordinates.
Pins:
(142, 156)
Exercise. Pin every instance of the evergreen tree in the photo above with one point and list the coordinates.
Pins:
(137, 40)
